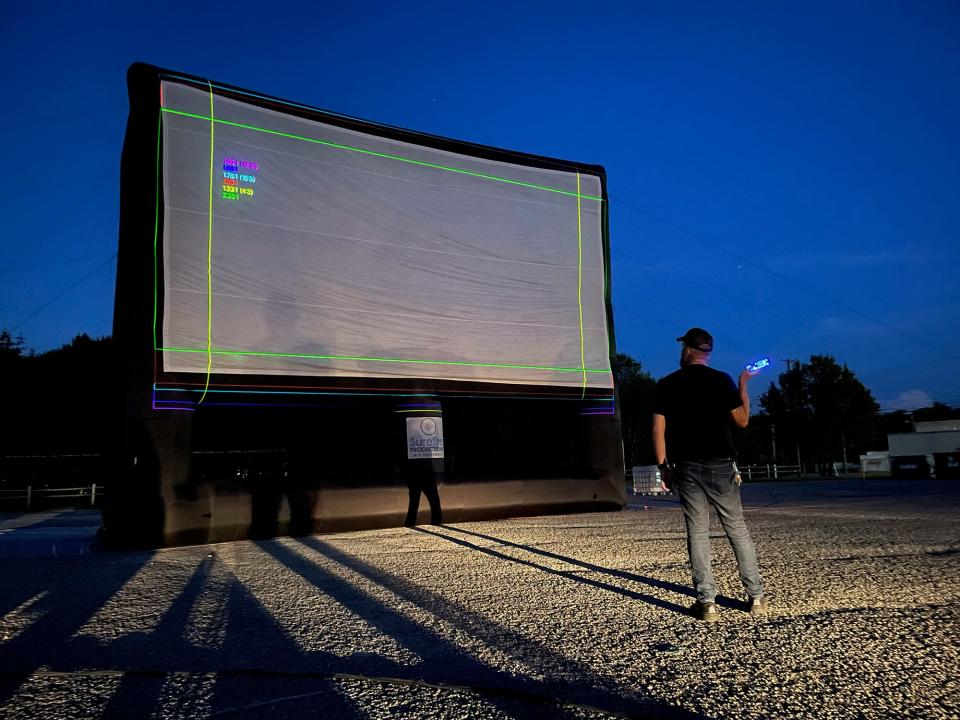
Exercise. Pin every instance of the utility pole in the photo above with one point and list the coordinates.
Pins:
(843, 440)
(773, 439)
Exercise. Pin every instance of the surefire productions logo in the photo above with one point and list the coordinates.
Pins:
(424, 437)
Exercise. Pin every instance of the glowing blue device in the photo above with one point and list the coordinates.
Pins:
(758, 365)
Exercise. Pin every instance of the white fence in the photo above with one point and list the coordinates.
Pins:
(31, 496)
(645, 479)
(770, 470)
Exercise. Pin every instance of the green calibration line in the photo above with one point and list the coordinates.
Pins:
(252, 353)
(398, 158)
(583, 360)
(156, 230)
(209, 260)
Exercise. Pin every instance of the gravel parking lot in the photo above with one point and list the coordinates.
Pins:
(577, 616)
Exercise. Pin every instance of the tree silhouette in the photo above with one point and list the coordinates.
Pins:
(636, 409)
(823, 408)
(12, 348)
(937, 411)
(60, 401)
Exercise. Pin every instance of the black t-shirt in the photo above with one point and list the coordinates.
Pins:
(696, 401)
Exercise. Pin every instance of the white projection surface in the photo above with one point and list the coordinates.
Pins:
(292, 247)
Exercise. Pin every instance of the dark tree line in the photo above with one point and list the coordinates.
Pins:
(60, 401)
(636, 409)
(66, 401)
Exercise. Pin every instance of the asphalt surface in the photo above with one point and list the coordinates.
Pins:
(572, 616)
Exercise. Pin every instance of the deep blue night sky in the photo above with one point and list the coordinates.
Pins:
(785, 175)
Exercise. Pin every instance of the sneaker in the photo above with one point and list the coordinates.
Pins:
(758, 605)
(706, 611)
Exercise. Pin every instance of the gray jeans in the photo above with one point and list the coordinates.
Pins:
(699, 486)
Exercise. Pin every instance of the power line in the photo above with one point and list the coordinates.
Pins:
(59, 295)
(29, 190)
(79, 200)
(60, 116)
(780, 276)
(816, 332)
(950, 398)
(928, 367)
(939, 364)
(48, 263)
(791, 321)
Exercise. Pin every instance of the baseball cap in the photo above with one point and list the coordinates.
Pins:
(698, 339)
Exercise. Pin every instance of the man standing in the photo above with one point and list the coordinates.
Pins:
(693, 410)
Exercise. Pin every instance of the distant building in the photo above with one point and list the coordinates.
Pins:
(931, 450)
(937, 426)
(875, 463)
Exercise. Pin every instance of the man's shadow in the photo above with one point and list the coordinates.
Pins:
(622, 574)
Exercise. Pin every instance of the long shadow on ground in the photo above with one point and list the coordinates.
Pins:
(566, 680)
(632, 594)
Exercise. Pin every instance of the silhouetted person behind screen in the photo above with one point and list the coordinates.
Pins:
(284, 327)
(420, 473)
(421, 478)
